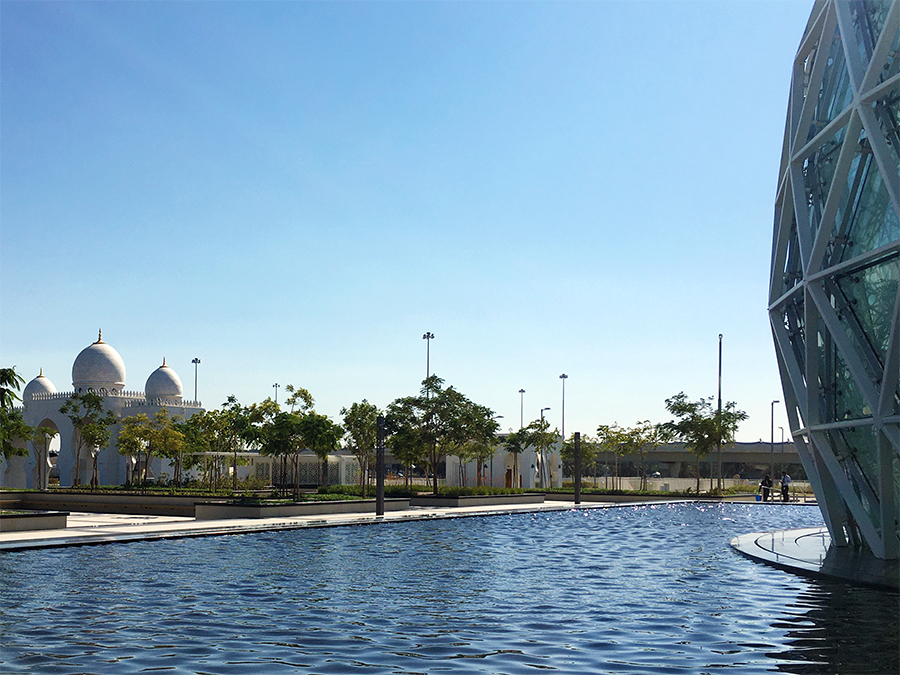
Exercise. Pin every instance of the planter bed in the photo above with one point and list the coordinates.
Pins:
(476, 500)
(223, 510)
(35, 520)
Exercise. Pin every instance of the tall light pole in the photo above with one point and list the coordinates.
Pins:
(276, 385)
(196, 363)
(772, 441)
(719, 416)
(542, 414)
(563, 377)
(521, 408)
(428, 337)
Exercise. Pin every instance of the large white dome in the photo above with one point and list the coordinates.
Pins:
(97, 367)
(163, 383)
(39, 385)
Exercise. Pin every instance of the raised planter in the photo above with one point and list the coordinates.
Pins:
(224, 510)
(35, 520)
(476, 500)
(102, 502)
(614, 499)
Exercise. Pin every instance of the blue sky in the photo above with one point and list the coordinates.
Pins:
(295, 192)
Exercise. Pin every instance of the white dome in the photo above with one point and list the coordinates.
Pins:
(39, 385)
(163, 383)
(98, 366)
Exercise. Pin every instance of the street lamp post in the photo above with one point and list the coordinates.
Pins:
(719, 416)
(521, 408)
(276, 385)
(542, 414)
(772, 441)
(563, 377)
(428, 337)
(196, 363)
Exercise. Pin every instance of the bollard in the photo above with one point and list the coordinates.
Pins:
(577, 467)
(379, 467)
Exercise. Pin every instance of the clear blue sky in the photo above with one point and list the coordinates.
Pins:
(295, 192)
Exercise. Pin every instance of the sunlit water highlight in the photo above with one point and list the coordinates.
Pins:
(622, 590)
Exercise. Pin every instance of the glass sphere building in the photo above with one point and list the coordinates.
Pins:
(834, 303)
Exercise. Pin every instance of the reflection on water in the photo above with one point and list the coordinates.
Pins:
(644, 589)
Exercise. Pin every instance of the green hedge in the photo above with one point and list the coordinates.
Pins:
(398, 491)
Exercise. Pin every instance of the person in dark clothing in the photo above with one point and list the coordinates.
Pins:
(765, 485)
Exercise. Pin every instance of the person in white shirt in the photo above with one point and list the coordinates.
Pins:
(785, 486)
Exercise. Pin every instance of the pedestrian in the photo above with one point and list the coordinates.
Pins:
(765, 485)
(785, 486)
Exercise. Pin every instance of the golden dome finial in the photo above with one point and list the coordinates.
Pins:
(164, 363)
(41, 374)
(99, 336)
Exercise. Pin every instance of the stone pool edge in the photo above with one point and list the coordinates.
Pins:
(809, 552)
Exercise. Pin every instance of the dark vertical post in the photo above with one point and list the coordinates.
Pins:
(379, 467)
(577, 467)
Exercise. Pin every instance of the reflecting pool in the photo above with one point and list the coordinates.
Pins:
(619, 590)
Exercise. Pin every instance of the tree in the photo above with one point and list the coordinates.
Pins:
(12, 423)
(322, 436)
(516, 442)
(92, 424)
(135, 435)
(360, 426)
(403, 432)
(40, 440)
(612, 439)
(539, 436)
(283, 438)
(10, 383)
(169, 440)
(699, 426)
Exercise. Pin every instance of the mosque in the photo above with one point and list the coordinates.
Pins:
(99, 369)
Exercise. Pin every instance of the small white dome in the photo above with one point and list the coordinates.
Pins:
(39, 385)
(163, 383)
(98, 366)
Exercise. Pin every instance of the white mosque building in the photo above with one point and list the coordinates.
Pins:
(100, 369)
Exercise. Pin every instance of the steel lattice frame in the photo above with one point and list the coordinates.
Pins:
(834, 296)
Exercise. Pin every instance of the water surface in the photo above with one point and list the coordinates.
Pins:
(620, 590)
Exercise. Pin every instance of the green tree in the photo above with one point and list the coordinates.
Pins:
(539, 436)
(169, 440)
(403, 432)
(12, 423)
(135, 434)
(283, 440)
(92, 425)
(699, 426)
(516, 443)
(40, 440)
(322, 436)
(360, 426)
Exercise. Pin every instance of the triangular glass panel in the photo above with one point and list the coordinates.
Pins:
(818, 171)
(865, 218)
(835, 92)
(793, 270)
(887, 112)
(868, 21)
(868, 303)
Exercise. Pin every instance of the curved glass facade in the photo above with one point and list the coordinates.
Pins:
(834, 293)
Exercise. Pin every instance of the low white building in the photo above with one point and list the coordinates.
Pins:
(99, 369)
(506, 469)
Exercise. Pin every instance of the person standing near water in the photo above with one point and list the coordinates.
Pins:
(765, 485)
(785, 486)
